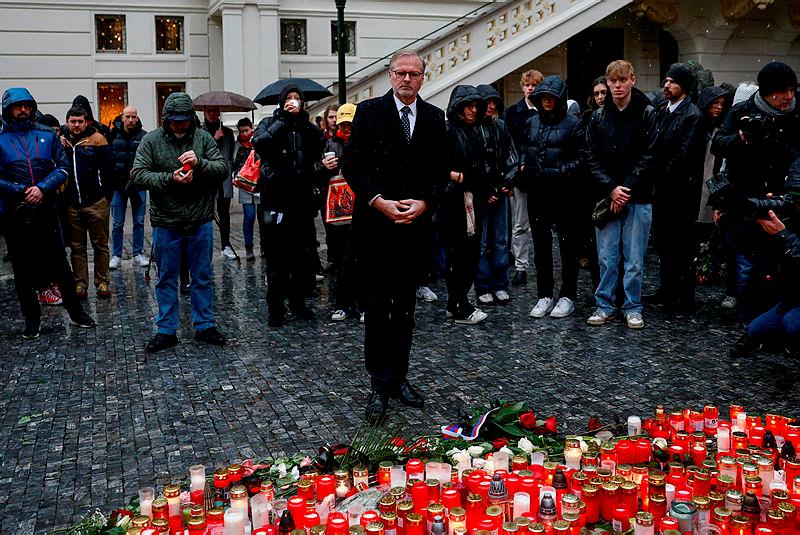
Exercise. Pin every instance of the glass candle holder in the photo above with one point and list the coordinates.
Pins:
(146, 497)
(686, 515)
(234, 522)
(173, 495)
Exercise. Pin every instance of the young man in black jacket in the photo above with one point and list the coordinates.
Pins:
(620, 156)
(680, 153)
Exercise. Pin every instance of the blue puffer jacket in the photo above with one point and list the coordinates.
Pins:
(29, 155)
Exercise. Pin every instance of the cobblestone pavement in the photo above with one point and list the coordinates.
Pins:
(88, 419)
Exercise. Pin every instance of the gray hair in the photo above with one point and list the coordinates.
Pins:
(403, 53)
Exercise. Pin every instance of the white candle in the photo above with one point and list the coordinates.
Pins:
(397, 476)
(197, 473)
(609, 465)
(500, 459)
(669, 490)
(146, 496)
(445, 473)
(634, 426)
(522, 504)
(537, 457)
(572, 458)
(259, 508)
(741, 422)
(234, 522)
(723, 439)
(432, 470)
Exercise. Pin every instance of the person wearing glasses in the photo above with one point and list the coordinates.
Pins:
(396, 164)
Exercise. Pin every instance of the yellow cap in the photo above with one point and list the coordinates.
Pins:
(345, 113)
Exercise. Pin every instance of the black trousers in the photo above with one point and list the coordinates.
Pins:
(673, 231)
(388, 269)
(346, 295)
(462, 254)
(289, 273)
(569, 248)
(35, 244)
(224, 213)
(336, 237)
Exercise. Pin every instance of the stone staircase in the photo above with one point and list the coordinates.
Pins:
(489, 46)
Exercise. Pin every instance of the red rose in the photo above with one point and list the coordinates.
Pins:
(594, 424)
(341, 450)
(397, 441)
(499, 443)
(550, 425)
(528, 420)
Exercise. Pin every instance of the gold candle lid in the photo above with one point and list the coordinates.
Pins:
(172, 491)
(141, 521)
(238, 492)
(493, 510)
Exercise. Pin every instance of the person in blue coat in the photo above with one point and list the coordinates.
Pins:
(33, 168)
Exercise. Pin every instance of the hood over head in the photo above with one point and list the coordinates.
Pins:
(487, 92)
(553, 86)
(461, 95)
(15, 95)
(710, 94)
(179, 107)
(303, 115)
(83, 102)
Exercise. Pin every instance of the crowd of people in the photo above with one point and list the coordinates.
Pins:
(465, 193)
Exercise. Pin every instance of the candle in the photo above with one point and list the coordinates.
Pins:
(397, 476)
(239, 499)
(644, 524)
(259, 508)
(385, 473)
(741, 422)
(173, 495)
(342, 479)
(522, 503)
(361, 476)
(326, 486)
(415, 469)
(457, 519)
(296, 507)
(234, 522)
(354, 512)
(146, 496)
(501, 460)
(723, 439)
(634, 426)
(573, 454)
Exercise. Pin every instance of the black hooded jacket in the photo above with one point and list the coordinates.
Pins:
(288, 145)
(83, 102)
(552, 142)
(502, 153)
(620, 147)
(123, 149)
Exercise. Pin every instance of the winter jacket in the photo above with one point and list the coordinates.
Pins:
(30, 154)
(83, 102)
(182, 207)
(288, 145)
(502, 154)
(91, 167)
(226, 145)
(757, 167)
(123, 150)
(552, 143)
(620, 148)
(711, 164)
(680, 152)
(515, 119)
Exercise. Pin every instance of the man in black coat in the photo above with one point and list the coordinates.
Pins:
(680, 154)
(396, 164)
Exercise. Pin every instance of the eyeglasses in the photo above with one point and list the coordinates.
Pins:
(599, 93)
(414, 75)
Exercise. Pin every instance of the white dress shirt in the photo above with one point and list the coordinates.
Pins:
(672, 107)
(412, 117)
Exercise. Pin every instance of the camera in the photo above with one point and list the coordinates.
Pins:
(722, 197)
(760, 128)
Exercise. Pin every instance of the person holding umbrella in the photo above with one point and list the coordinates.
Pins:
(289, 146)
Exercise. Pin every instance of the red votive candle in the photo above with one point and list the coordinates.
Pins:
(310, 519)
(699, 453)
(475, 511)
(474, 479)
(325, 486)
(367, 517)
(624, 452)
(513, 482)
(451, 498)
(483, 488)
(620, 520)
(644, 450)
(297, 507)
(419, 495)
(415, 468)
(337, 524)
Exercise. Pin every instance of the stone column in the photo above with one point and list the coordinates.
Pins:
(232, 49)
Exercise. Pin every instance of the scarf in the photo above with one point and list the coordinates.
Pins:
(762, 105)
(245, 142)
(344, 137)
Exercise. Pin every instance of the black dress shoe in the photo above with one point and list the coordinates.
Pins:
(210, 336)
(31, 331)
(406, 395)
(377, 403)
(161, 341)
(520, 278)
(81, 319)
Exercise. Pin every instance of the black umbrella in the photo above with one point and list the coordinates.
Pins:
(311, 91)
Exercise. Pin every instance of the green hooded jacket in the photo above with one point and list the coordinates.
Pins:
(174, 205)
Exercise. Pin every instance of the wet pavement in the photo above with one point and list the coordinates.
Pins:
(89, 418)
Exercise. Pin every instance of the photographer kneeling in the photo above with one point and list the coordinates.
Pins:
(781, 323)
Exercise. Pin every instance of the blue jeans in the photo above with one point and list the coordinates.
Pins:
(248, 221)
(627, 237)
(198, 244)
(776, 325)
(118, 206)
(493, 265)
(747, 269)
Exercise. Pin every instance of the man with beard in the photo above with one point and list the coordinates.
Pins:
(33, 167)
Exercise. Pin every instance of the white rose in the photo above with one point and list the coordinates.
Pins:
(584, 446)
(281, 470)
(475, 451)
(507, 451)
(525, 445)
(660, 442)
(295, 473)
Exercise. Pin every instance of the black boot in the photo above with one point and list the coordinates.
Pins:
(520, 278)
(743, 347)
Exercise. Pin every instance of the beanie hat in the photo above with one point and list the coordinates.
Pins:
(682, 76)
(775, 76)
(744, 92)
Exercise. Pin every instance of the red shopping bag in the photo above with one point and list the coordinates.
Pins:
(339, 202)
(248, 175)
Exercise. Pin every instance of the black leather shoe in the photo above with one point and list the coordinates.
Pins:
(406, 395)
(520, 278)
(81, 319)
(31, 331)
(161, 341)
(377, 403)
(303, 313)
(210, 336)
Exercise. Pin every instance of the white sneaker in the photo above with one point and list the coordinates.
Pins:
(634, 320)
(486, 299)
(542, 307)
(141, 260)
(339, 315)
(318, 277)
(426, 294)
(599, 317)
(361, 317)
(114, 262)
(563, 308)
(228, 253)
(477, 316)
(502, 297)
(729, 303)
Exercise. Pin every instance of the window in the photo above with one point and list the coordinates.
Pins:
(169, 35)
(293, 36)
(111, 99)
(350, 38)
(109, 33)
(163, 90)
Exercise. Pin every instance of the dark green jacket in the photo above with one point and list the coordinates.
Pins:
(173, 205)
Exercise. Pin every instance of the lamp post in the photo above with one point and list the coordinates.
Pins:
(341, 44)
